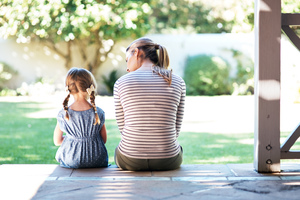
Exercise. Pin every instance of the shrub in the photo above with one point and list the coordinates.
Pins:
(40, 87)
(6, 73)
(243, 81)
(110, 81)
(8, 92)
(207, 75)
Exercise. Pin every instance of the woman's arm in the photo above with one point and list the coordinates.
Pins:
(103, 133)
(118, 108)
(180, 110)
(58, 136)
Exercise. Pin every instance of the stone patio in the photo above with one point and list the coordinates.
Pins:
(230, 181)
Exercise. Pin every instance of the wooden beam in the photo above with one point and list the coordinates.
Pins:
(290, 19)
(291, 139)
(290, 154)
(267, 85)
(292, 36)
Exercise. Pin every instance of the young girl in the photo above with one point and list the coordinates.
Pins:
(83, 146)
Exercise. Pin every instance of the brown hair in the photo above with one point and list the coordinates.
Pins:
(79, 79)
(156, 53)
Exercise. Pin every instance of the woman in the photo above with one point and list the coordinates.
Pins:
(149, 105)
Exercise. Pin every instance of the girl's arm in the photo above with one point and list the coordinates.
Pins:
(103, 133)
(58, 136)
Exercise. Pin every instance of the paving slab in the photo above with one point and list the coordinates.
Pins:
(111, 171)
(196, 170)
(46, 170)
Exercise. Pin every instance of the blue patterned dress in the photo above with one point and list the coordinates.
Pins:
(82, 147)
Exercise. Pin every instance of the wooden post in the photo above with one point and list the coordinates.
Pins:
(267, 85)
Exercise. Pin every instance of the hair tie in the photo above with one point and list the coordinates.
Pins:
(90, 89)
(156, 46)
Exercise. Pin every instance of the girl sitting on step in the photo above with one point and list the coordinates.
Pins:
(83, 146)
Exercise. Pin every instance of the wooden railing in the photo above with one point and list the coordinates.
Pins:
(288, 20)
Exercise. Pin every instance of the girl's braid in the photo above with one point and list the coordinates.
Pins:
(65, 104)
(92, 98)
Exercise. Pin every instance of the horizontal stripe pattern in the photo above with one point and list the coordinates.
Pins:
(149, 114)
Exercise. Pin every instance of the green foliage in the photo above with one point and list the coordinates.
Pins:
(207, 75)
(204, 16)
(69, 20)
(243, 80)
(8, 92)
(6, 73)
(110, 81)
(291, 6)
(211, 75)
(100, 24)
(78, 22)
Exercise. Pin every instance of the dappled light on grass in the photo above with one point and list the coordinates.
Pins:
(246, 141)
(5, 159)
(25, 147)
(217, 160)
(32, 157)
(27, 134)
(113, 139)
(27, 138)
(23, 139)
(212, 148)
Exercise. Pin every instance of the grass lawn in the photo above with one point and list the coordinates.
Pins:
(27, 140)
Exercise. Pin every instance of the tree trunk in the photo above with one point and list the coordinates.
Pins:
(66, 56)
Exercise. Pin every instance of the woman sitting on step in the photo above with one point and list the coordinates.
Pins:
(149, 106)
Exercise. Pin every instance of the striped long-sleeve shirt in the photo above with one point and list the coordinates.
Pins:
(149, 114)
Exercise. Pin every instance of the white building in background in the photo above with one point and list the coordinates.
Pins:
(34, 60)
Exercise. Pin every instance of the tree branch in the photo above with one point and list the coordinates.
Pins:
(82, 45)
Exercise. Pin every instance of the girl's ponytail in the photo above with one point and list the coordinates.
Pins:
(92, 98)
(91, 92)
(65, 104)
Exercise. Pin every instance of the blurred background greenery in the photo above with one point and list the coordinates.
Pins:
(101, 24)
